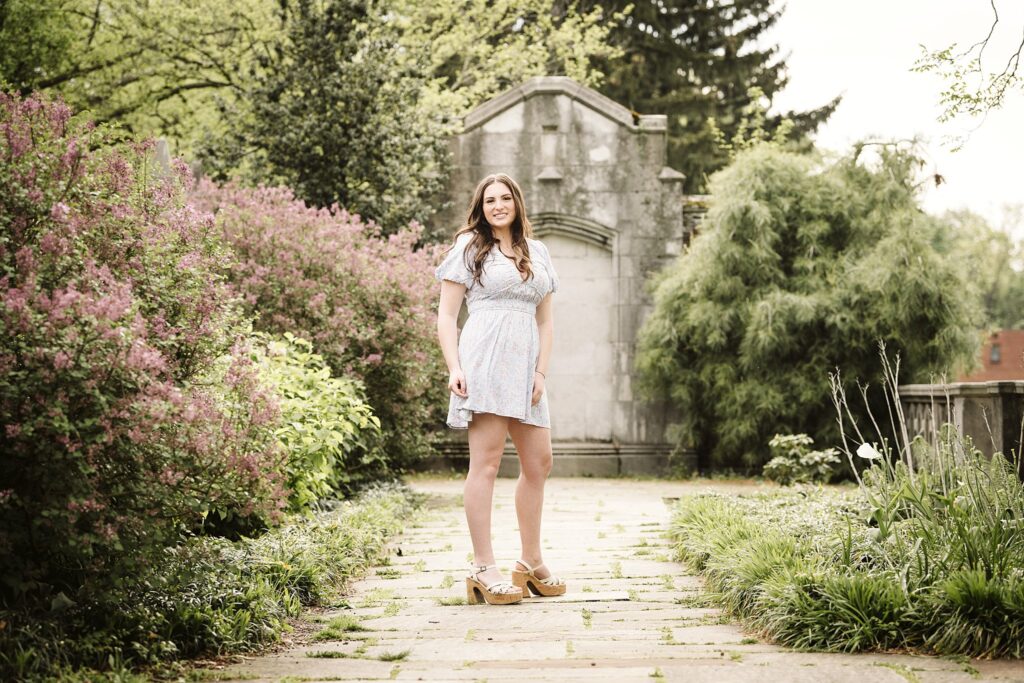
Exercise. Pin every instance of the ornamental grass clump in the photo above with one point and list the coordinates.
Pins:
(129, 405)
(366, 302)
(926, 552)
(948, 520)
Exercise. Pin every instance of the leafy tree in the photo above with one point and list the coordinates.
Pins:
(156, 67)
(350, 101)
(800, 268)
(35, 41)
(356, 104)
(475, 49)
(333, 114)
(972, 89)
(992, 261)
(697, 61)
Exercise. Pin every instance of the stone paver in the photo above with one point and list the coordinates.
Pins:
(631, 614)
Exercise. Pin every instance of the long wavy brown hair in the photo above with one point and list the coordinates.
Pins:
(483, 236)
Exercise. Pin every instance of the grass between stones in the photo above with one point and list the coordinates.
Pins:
(338, 627)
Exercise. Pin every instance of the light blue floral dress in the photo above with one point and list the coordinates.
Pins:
(499, 345)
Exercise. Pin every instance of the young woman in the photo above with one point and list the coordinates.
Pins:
(496, 376)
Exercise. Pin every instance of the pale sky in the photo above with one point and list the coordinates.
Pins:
(865, 50)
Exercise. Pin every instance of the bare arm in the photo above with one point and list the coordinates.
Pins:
(452, 294)
(546, 330)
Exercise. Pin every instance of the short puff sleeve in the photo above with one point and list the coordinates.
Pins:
(545, 258)
(454, 265)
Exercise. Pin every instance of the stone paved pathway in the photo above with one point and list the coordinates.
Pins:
(631, 614)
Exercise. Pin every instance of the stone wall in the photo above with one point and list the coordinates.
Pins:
(601, 198)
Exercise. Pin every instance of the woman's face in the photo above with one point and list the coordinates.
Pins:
(499, 208)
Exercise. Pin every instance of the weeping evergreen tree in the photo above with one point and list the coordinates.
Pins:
(799, 269)
(695, 61)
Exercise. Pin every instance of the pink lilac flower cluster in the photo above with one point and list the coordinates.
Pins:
(367, 302)
(129, 404)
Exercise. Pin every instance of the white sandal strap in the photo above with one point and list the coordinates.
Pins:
(549, 581)
(502, 587)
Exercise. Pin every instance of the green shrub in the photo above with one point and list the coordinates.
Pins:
(208, 596)
(971, 611)
(366, 302)
(833, 611)
(794, 462)
(128, 403)
(327, 429)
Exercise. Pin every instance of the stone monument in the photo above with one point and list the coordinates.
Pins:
(601, 198)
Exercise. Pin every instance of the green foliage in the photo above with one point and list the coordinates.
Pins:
(347, 101)
(793, 461)
(327, 429)
(925, 557)
(960, 70)
(207, 596)
(465, 42)
(992, 261)
(337, 628)
(697, 62)
(35, 41)
(971, 90)
(750, 131)
(158, 68)
(333, 114)
(799, 268)
(355, 103)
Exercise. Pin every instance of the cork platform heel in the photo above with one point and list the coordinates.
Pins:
(498, 593)
(528, 581)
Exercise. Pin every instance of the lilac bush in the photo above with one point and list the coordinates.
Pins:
(366, 302)
(130, 406)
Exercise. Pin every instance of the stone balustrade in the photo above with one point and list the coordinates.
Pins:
(990, 413)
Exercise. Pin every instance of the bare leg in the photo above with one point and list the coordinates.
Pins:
(534, 447)
(486, 442)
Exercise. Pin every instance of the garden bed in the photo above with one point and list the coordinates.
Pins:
(932, 563)
(208, 596)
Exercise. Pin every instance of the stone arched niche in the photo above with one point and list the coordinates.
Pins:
(581, 397)
(601, 198)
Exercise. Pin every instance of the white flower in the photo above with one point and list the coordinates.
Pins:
(868, 452)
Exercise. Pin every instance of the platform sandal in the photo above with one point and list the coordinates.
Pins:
(529, 581)
(498, 593)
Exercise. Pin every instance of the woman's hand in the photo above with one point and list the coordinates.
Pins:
(457, 383)
(538, 388)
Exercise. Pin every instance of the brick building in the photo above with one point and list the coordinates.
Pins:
(1002, 358)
